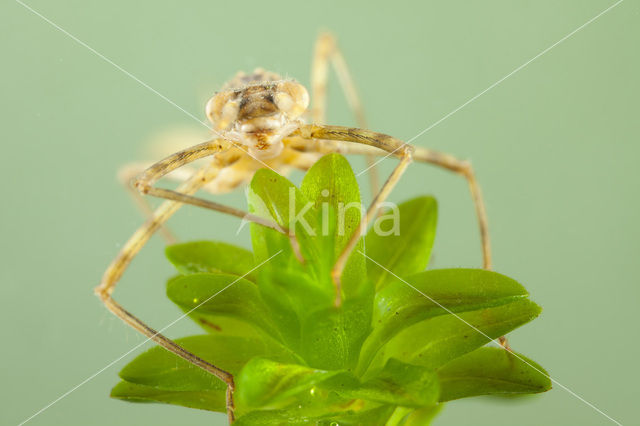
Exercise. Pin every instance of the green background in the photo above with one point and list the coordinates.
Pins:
(555, 147)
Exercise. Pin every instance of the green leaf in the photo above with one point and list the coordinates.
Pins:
(289, 296)
(331, 338)
(406, 249)
(332, 187)
(274, 418)
(398, 383)
(423, 416)
(290, 289)
(371, 417)
(266, 384)
(490, 371)
(161, 369)
(214, 297)
(401, 304)
(211, 256)
(297, 293)
(436, 341)
(274, 198)
(398, 415)
(213, 400)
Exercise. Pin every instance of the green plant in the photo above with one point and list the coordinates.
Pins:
(403, 342)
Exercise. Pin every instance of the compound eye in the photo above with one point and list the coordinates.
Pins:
(284, 102)
(222, 109)
(292, 98)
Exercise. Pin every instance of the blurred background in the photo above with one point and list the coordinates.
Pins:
(555, 146)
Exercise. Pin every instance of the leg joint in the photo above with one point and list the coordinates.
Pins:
(103, 292)
(408, 151)
(466, 169)
(142, 186)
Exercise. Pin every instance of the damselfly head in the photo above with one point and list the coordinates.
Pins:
(258, 111)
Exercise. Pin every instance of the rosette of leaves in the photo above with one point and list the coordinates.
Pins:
(404, 341)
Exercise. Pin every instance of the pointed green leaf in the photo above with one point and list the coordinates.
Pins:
(274, 198)
(292, 290)
(423, 416)
(211, 256)
(398, 415)
(405, 249)
(436, 341)
(371, 417)
(274, 418)
(161, 369)
(398, 383)
(490, 371)
(289, 295)
(332, 187)
(266, 384)
(215, 297)
(289, 288)
(332, 337)
(213, 400)
(402, 303)
(268, 197)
